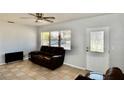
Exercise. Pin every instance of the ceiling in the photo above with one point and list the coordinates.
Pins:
(26, 19)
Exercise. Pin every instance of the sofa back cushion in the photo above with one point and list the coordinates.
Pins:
(53, 50)
(44, 48)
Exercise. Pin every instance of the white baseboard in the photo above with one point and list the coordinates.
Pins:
(2, 63)
(75, 66)
(26, 58)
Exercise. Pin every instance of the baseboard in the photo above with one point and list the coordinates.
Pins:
(75, 66)
(26, 58)
(2, 63)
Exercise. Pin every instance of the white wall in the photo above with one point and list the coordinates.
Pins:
(15, 37)
(77, 56)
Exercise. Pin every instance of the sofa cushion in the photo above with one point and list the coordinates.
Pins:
(47, 54)
(52, 50)
(37, 56)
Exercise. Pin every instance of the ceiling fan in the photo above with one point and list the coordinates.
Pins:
(40, 16)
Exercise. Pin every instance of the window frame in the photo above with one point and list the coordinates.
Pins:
(59, 38)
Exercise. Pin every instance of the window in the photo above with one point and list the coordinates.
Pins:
(45, 38)
(66, 39)
(57, 39)
(97, 41)
(54, 39)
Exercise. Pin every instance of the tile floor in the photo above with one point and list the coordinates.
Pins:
(26, 70)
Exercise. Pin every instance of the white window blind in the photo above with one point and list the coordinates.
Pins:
(97, 41)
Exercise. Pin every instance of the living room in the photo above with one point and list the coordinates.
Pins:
(66, 46)
(17, 33)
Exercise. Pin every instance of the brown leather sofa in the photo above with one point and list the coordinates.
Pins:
(50, 57)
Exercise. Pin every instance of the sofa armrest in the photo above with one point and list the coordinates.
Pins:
(57, 59)
(56, 56)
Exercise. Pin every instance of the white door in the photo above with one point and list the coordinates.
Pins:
(96, 60)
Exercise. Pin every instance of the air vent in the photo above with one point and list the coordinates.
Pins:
(11, 22)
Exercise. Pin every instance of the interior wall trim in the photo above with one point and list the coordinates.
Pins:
(75, 66)
(2, 63)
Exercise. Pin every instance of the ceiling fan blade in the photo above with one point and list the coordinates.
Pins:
(32, 14)
(49, 20)
(26, 17)
(49, 17)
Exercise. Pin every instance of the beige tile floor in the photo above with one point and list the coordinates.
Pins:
(26, 70)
